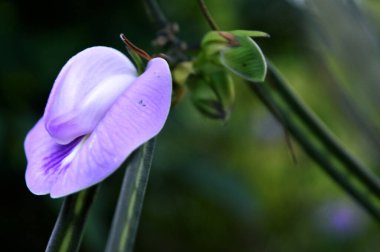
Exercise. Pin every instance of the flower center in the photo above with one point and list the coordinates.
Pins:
(71, 156)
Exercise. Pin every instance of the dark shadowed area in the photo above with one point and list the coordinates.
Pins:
(213, 186)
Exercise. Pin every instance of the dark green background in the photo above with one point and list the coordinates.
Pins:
(213, 186)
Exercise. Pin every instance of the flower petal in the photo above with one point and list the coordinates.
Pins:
(138, 115)
(84, 90)
(44, 159)
(135, 117)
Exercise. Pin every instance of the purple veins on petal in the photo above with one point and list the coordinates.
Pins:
(54, 160)
(86, 133)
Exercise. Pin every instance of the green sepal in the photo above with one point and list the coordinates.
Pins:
(210, 108)
(213, 37)
(182, 71)
(180, 74)
(223, 86)
(139, 63)
(216, 37)
(246, 60)
(253, 34)
(213, 94)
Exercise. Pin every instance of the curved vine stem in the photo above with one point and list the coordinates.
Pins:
(324, 141)
(364, 175)
(312, 150)
(68, 230)
(369, 179)
(207, 15)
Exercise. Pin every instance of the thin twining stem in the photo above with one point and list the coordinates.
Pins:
(207, 15)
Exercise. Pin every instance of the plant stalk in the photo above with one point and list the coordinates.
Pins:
(68, 230)
(127, 215)
(317, 155)
(369, 179)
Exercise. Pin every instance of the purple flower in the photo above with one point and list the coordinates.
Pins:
(99, 111)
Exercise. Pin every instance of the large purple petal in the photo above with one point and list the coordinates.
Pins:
(84, 90)
(135, 117)
(138, 115)
(44, 159)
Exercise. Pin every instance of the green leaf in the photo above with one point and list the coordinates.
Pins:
(245, 60)
(127, 215)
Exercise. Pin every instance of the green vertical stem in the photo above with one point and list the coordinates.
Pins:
(68, 230)
(127, 214)
(369, 179)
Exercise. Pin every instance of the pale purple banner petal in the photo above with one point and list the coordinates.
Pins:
(137, 115)
(84, 90)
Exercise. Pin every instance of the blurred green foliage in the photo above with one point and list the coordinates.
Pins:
(213, 186)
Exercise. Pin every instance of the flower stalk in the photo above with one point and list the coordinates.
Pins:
(68, 230)
(127, 215)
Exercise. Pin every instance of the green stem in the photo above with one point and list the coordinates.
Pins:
(365, 175)
(207, 15)
(313, 151)
(127, 214)
(68, 230)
